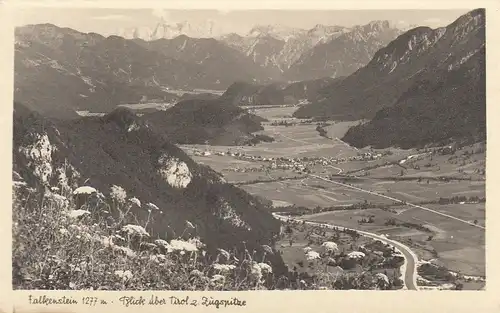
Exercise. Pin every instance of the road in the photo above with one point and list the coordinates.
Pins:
(398, 200)
(408, 269)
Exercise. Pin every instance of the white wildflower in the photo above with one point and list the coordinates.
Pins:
(118, 193)
(148, 245)
(152, 207)
(182, 245)
(356, 255)
(218, 278)
(118, 237)
(196, 273)
(266, 268)
(267, 249)
(135, 201)
(224, 253)
(107, 241)
(85, 190)
(158, 258)
(224, 268)
(77, 213)
(312, 255)
(307, 249)
(62, 201)
(164, 244)
(63, 231)
(135, 230)
(197, 242)
(127, 251)
(256, 272)
(125, 275)
(18, 184)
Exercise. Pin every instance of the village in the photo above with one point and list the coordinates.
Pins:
(296, 164)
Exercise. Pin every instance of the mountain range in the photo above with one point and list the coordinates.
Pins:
(323, 51)
(59, 70)
(417, 75)
(169, 30)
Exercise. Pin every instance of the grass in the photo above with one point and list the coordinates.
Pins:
(52, 250)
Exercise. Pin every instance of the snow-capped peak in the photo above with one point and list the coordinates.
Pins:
(169, 30)
(277, 31)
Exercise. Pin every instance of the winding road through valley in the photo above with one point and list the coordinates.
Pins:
(408, 269)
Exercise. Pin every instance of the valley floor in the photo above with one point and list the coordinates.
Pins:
(431, 202)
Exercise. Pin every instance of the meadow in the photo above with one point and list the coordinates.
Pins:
(409, 175)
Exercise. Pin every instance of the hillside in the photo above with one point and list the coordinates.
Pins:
(450, 107)
(210, 56)
(59, 70)
(420, 54)
(199, 121)
(118, 149)
(307, 89)
(241, 93)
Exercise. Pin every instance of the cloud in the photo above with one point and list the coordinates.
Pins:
(111, 17)
(435, 22)
(401, 24)
(162, 13)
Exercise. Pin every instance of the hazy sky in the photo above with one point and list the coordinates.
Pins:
(109, 21)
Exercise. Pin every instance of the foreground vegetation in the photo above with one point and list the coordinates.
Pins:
(88, 241)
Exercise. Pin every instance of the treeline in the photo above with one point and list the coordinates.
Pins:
(256, 181)
(322, 131)
(294, 210)
(394, 222)
(458, 199)
(258, 139)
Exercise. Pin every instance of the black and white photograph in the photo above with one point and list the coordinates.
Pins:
(233, 150)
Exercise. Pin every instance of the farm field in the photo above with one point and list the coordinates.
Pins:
(454, 244)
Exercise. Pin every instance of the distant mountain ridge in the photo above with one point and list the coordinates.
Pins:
(169, 30)
(426, 86)
(59, 70)
(303, 54)
(418, 53)
(343, 54)
(288, 51)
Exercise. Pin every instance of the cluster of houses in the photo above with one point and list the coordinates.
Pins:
(297, 164)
